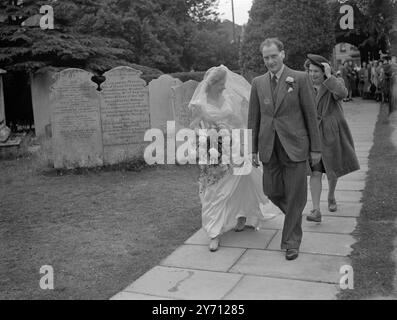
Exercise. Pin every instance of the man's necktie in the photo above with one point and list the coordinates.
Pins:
(273, 84)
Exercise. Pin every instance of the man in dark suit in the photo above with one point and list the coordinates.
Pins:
(283, 119)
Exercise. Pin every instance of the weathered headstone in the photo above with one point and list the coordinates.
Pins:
(2, 110)
(40, 89)
(160, 95)
(75, 118)
(182, 95)
(124, 113)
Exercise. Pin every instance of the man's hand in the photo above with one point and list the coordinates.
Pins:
(315, 158)
(327, 70)
(255, 160)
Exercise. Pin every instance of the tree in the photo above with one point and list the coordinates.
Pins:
(373, 22)
(210, 46)
(304, 26)
(380, 16)
(163, 33)
(73, 42)
(170, 35)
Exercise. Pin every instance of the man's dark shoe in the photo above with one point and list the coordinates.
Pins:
(314, 216)
(291, 254)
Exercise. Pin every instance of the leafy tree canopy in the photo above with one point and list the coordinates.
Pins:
(170, 35)
(304, 26)
(372, 26)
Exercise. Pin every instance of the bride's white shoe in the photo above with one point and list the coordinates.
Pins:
(214, 244)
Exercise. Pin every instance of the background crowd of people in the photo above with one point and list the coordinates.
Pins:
(372, 80)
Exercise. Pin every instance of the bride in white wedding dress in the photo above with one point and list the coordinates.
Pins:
(228, 200)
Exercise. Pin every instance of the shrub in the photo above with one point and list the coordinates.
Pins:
(186, 76)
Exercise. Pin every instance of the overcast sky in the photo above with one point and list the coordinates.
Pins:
(241, 8)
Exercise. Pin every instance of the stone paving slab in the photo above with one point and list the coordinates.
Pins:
(321, 243)
(265, 288)
(362, 159)
(360, 136)
(136, 296)
(341, 196)
(364, 129)
(362, 154)
(345, 209)
(345, 185)
(363, 166)
(177, 283)
(354, 176)
(344, 225)
(199, 257)
(330, 224)
(363, 162)
(249, 238)
(311, 267)
(366, 147)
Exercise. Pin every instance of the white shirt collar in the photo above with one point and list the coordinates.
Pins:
(279, 73)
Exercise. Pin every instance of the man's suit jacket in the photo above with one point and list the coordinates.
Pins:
(292, 115)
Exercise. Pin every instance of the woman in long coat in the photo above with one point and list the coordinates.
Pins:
(338, 154)
(364, 78)
(346, 74)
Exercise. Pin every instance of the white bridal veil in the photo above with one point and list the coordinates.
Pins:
(236, 94)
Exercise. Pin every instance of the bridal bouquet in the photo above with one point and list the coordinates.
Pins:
(212, 168)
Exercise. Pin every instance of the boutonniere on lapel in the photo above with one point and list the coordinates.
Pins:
(290, 82)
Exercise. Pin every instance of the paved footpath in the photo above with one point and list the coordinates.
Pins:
(393, 122)
(250, 265)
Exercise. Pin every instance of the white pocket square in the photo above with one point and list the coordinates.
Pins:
(290, 89)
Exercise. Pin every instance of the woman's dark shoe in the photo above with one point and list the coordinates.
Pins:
(240, 224)
(314, 216)
(332, 207)
(214, 244)
(291, 254)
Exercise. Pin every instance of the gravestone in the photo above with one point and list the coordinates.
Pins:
(2, 110)
(160, 95)
(75, 118)
(40, 85)
(181, 97)
(124, 113)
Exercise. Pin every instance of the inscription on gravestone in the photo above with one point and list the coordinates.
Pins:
(124, 114)
(77, 138)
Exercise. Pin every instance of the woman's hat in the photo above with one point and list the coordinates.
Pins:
(317, 60)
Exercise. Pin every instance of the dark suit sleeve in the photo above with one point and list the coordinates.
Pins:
(254, 116)
(308, 105)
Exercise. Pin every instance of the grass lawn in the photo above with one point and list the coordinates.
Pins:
(372, 261)
(99, 230)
